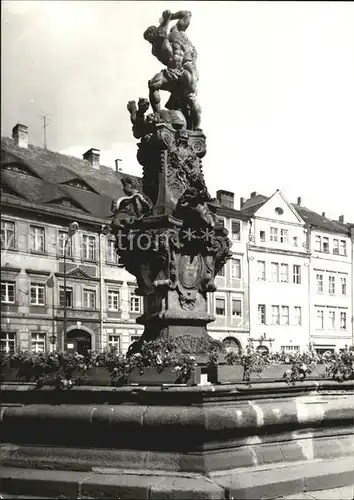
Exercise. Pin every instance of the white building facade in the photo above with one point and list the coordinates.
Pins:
(331, 290)
(279, 276)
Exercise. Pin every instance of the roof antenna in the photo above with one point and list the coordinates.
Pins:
(44, 128)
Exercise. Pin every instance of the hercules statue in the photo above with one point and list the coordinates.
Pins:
(180, 77)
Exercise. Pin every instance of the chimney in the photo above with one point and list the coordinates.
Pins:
(225, 198)
(253, 194)
(20, 135)
(118, 168)
(93, 157)
(299, 201)
(341, 218)
(242, 202)
(323, 214)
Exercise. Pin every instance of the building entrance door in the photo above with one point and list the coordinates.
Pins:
(78, 341)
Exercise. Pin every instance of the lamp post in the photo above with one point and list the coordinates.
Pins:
(104, 230)
(53, 339)
(73, 227)
(261, 339)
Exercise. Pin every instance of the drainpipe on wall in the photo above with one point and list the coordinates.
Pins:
(101, 288)
(352, 290)
(308, 244)
(103, 231)
(249, 279)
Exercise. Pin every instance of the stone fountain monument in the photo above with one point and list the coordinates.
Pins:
(167, 234)
(244, 441)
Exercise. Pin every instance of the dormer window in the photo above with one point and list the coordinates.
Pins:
(18, 168)
(79, 184)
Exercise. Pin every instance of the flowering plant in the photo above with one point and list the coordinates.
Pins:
(340, 366)
(162, 353)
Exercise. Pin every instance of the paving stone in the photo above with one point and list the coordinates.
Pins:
(186, 488)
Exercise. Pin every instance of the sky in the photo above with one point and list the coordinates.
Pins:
(276, 88)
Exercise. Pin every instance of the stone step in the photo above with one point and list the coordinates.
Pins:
(264, 482)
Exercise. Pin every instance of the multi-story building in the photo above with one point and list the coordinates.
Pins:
(279, 273)
(42, 192)
(331, 296)
(300, 276)
(230, 303)
(289, 282)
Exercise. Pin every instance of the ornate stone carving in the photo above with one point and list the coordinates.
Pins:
(168, 236)
(130, 208)
(180, 77)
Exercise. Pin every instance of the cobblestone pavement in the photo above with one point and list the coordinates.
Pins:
(344, 493)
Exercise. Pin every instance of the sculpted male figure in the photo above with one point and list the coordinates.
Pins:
(174, 50)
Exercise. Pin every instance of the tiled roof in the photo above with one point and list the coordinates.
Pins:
(251, 206)
(48, 175)
(231, 212)
(321, 222)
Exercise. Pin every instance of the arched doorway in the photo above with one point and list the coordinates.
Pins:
(232, 344)
(78, 340)
(262, 349)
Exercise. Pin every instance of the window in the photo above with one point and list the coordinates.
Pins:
(37, 239)
(38, 342)
(113, 300)
(290, 348)
(343, 247)
(297, 316)
(220, 307)
(7, 292)
(7, 235)
(318, 243)
(89, 299)
(320, 319)
(236, 310)
(295, 241)
(332, 285)
(332, 320)
(343, 286)
(261, 314)
(134, 338)
(274, 266)
(7, 342)
(114, 342)
(135, 303)
(235, 230)
(221, 272)
(37, 294)
(261, 274)
(262, 235)
(112, 255)
(284, 236)
(68, 301)
(343, 320)
(284, 315)
(296, 274)
(336, 246)
(89, 247)
(236, 269)
(231, 345)
(325, 244)
(275, 315)
(78, 184)
(319, 280)
(284, 273)
(221, 221)
(273, 234)
(62, 237)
